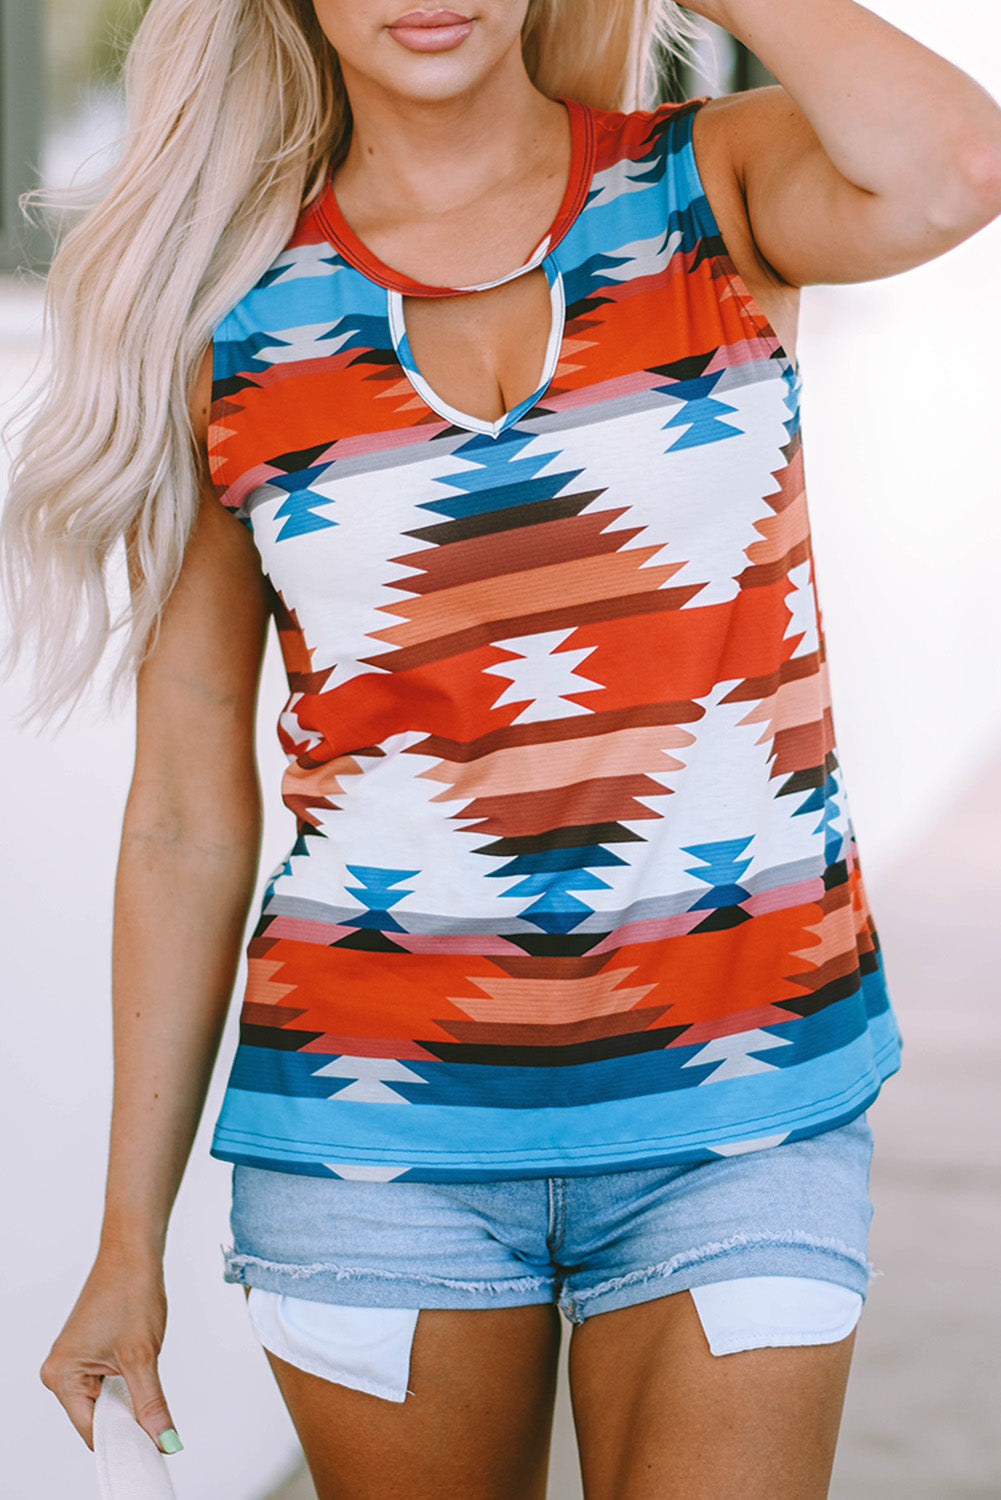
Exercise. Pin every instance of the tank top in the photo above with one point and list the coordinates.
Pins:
(574, 886)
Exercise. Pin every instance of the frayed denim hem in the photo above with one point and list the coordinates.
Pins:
(276, 1276)
(741, 1254)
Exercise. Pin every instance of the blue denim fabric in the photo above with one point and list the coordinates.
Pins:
(589, 1243)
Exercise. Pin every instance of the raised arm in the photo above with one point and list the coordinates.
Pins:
(186, 873)
(874, 154)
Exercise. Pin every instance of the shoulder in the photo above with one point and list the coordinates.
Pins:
(736, 127)
(265, 295)
(726, 135)
(729, 134)
(641, 133)
(266, 302)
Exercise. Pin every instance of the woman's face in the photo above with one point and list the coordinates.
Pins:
(422, 49)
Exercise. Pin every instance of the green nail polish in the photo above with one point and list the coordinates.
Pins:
(169, 1441)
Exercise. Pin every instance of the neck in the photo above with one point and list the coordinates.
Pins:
(420, 156)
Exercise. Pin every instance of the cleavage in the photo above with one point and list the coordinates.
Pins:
(483, 353)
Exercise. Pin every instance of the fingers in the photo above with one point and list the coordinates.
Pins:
(76, 1391)
(148, 1401)
(116, 1328)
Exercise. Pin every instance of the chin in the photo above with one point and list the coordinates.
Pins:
(433, 79)
(371, 55)
(438, 88)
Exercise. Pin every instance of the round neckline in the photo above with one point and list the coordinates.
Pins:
(356, 252)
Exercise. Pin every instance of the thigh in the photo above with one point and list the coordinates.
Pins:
(659, 1417)
(476, 1423)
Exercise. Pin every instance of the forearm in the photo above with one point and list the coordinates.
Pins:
(180, 909)
(893, 117)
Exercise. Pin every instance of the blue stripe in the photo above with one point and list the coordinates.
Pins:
(737, 1109)
(667, 1070)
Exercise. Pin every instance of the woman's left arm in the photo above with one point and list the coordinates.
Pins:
(872, 156)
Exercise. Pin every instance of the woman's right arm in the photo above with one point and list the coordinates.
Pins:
(186, 873)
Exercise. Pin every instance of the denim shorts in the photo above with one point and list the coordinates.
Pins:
(589, 1243)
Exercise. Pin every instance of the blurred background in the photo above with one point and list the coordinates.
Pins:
(901, 402)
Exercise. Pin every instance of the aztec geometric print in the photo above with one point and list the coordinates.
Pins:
(575, 885)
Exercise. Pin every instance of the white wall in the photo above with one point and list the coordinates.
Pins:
(901, 423)
(901, 400)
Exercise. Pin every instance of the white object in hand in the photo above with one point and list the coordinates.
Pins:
(129, 1464)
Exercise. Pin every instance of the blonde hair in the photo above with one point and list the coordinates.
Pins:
(235, 113)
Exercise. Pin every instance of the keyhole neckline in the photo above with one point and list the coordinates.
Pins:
(452, 414)
(357, 253)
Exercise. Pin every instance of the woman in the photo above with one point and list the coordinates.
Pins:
(568, 993)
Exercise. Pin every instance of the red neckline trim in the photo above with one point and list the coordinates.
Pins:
(356, 252)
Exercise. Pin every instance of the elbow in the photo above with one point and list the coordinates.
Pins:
(970, 195)
(189, 826)
(982, 180)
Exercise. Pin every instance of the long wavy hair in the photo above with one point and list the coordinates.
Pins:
(236, 112)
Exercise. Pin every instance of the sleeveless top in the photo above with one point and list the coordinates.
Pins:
(575, 885)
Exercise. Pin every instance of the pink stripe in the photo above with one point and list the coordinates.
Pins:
(435, 942)
(803, 893)
(367, 1046)
(785, 895)
(743, 352)
(238, 491)
(741, 1020)
(651, 930)
(603, 390)
(352, 447)
(372, 442)
(302, 930)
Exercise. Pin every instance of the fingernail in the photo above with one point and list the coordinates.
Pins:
(169, 1441)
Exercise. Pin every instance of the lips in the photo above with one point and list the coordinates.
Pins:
(431, 30)
(430, 18)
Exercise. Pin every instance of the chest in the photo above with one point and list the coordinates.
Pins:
(626, 356)
(411, 540)
(484, 353)
(323, 376)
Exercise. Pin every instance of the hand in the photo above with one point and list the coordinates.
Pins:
(116, 1328)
